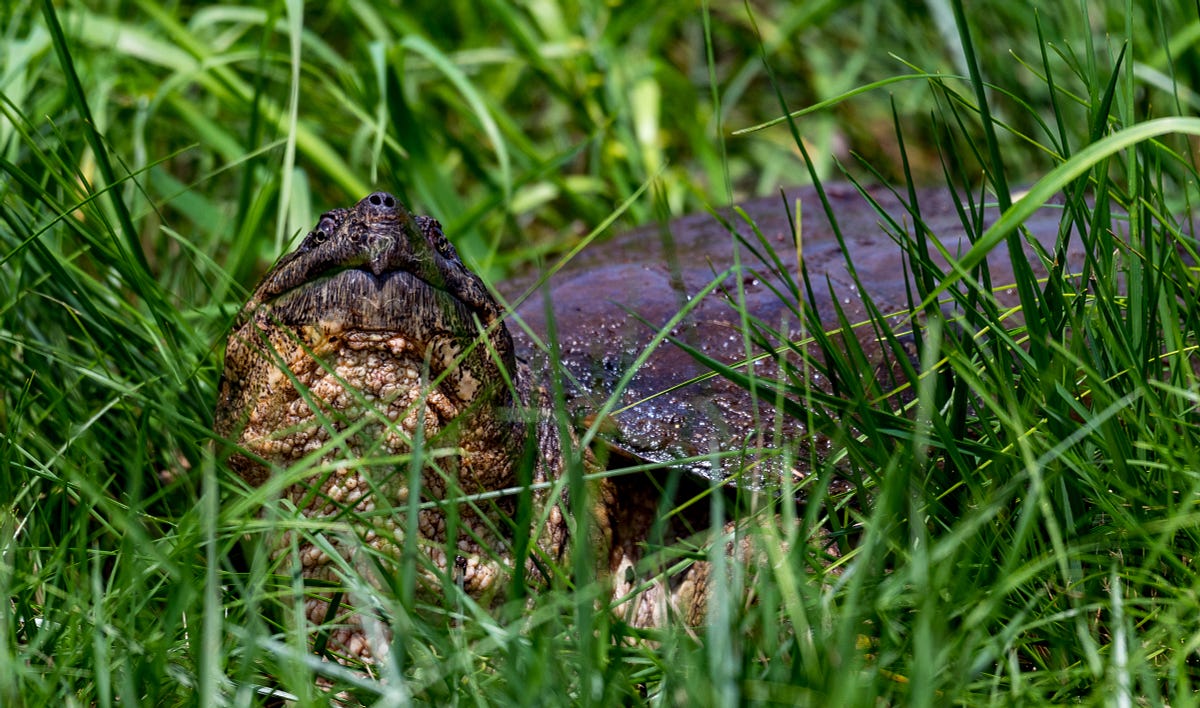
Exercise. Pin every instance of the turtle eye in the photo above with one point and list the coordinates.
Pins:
(322, 233)
(446, 249)
(324, 230)
(433, 232)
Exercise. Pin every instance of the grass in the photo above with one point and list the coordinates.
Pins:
(1024, 528)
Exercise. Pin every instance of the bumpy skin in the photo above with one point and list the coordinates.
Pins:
(373, 334)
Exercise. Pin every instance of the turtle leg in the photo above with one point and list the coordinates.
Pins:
(660, 571)
(653, 583)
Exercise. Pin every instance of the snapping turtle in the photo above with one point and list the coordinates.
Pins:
(372, 339)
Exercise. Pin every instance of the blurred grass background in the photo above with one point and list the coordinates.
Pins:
(157, 157)
(520, 127)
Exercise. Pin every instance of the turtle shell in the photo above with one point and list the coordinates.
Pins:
(611, 301)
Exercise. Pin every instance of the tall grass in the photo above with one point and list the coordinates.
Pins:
(1025, 526)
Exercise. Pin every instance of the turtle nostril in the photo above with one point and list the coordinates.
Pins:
(382, 200)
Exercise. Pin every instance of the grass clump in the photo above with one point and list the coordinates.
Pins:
(1023, 526)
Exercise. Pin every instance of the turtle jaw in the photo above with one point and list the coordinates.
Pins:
(358, 299)
(380, 237)
(435, 324)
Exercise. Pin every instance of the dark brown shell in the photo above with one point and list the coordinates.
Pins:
(611, 300)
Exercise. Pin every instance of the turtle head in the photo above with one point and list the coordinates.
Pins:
(377, 268)
(373, 300)
(379, 237)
